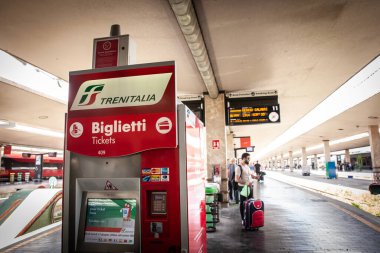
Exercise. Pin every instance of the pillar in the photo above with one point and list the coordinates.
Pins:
(275, 162)
(282, 164)
(316, 161)
(230, 146)
(291, 160)
(374, 142)
(216, 131)
(326, 150)
(304, 157)
(347, 156)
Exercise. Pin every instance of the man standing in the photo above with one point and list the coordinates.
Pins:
(244, 176)
(231, 178)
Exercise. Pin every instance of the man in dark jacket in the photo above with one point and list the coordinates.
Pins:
(231, 180)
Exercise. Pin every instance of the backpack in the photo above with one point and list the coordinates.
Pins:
(241, 170)
(235, 184)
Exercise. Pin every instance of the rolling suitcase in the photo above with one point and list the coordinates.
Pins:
(253, 214)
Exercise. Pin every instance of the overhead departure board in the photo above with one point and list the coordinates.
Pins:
(247, 115)
(252, 110)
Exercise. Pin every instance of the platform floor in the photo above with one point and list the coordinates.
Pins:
(361, 184)
(296, 220)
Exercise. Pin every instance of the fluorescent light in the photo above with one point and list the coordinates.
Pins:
(35, 130)
(6, 124)
(34, 149)
(296, 152)
(361, 150)
(357, 89)
(351, 138)
(21, 74)
(335, 142)
(314, 147)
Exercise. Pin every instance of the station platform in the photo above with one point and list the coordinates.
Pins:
(296, 220)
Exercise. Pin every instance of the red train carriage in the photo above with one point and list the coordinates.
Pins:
(14, 163)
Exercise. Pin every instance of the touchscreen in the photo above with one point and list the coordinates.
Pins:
(110, 221)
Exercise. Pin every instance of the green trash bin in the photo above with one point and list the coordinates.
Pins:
(210, 199)
(209, 217)
(211, 189)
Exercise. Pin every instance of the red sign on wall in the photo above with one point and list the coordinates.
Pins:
(215, 144)
(106, 53)
(7, 150)
(121, 112)
(245, 142)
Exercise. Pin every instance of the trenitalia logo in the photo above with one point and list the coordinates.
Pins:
(90, 94)
(121, 92)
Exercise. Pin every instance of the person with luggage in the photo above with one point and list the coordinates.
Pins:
(259, 173)
(244, 177)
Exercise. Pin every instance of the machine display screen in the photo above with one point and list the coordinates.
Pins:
(110, 221)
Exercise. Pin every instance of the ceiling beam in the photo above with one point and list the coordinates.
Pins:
(187, 20)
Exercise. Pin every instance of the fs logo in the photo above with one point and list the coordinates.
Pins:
(90, 94)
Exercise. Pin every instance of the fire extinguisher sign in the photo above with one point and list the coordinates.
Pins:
(215, 144)
(122, 110)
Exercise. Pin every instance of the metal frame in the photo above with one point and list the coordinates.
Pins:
(134, 193)
(136, 66)
(181, 122)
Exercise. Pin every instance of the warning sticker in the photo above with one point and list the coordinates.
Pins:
(110, 186)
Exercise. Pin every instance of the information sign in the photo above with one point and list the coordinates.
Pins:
(248, 115)
(121, 111)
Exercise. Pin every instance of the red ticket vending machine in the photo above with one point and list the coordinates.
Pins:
(134, 164)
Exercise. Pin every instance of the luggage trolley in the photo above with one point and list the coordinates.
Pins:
(212, 207)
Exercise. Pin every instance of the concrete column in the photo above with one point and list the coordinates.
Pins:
(216, 130)
(304, 157)
(275, 162)
(316, 161)
(230, 146)
(326, 150)
(374, 142)
(291, 160)
(347, 155)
